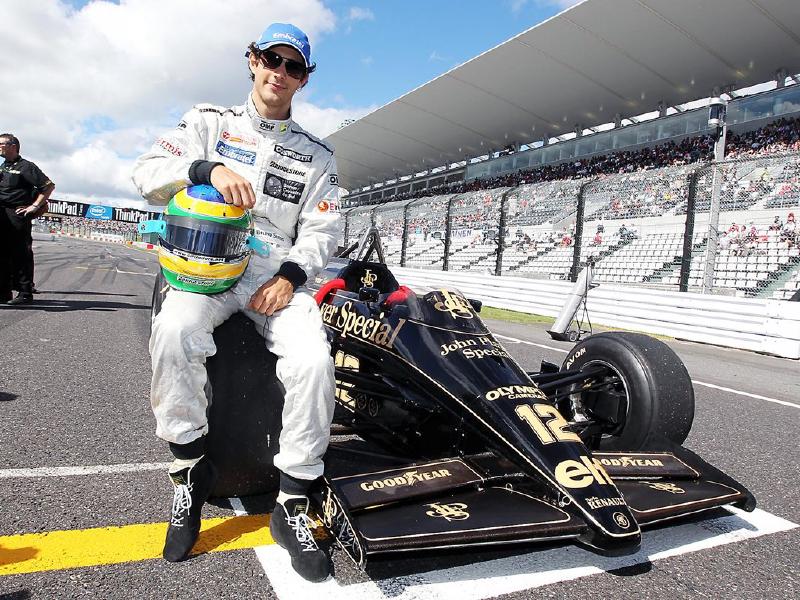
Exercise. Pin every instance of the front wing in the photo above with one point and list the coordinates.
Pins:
(372, 508)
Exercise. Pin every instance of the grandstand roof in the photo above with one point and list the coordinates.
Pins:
(584, 65)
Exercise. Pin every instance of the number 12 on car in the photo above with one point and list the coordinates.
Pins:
(546, 422)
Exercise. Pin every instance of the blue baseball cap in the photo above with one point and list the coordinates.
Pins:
(286, 34)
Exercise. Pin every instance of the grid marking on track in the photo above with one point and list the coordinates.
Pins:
(69, 549)
(518, 573)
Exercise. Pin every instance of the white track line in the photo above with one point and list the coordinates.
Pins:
(518, 341)
(71, 471)
(694, 381)
(521, 572)
(237, 506)
(748, 394)
(116, 270)
(135, 273)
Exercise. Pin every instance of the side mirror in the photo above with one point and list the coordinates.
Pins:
(368, 294)
(477, 305)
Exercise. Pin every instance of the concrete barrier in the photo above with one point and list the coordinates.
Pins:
(761, 325)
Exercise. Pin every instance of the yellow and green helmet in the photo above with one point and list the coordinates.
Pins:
(203, 245)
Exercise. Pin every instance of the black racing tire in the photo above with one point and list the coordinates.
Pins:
(657, 388)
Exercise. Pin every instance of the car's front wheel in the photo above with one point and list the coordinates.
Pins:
(637, 390)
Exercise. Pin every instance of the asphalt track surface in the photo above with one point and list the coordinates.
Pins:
(74, 393)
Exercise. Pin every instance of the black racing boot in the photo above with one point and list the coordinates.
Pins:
(192, 488)
(21, 298)
(290, 527)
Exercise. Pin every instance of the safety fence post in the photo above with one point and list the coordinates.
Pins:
(346, 225)
(447, 231)
(404, 241)
(688, 231)
(501, 231)
(576, 253)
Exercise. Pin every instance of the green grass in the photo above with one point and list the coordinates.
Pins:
(513, 316)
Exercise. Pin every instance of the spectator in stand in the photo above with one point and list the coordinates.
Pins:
(776, 224)
(752, 233)
(724, 241)
(598, 239)
(625, 234)
(789, 231)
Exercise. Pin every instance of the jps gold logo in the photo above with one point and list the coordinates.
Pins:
(449, 512)
(329, 510)
(453, 303)
(369, 278)
(664, 486)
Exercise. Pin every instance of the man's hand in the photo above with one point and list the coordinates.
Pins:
(234, 188)
(24, 211)
(272, 296)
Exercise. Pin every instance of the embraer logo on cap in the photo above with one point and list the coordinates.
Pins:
(288, 36)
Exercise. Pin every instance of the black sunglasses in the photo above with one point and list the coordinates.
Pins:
(272, 60)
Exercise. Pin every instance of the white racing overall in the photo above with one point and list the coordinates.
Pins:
(294, 178)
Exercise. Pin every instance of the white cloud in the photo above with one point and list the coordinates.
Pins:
(435, 56)
(367, 61)
(323, 121)
(88, 90)
(518, 5)
(357, 13)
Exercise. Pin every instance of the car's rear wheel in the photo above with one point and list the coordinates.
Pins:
(637, 391)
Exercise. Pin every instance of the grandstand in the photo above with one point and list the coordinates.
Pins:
(462, 231)
(506, 199)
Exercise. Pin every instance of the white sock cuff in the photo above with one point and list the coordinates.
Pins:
(182, 463)
(283, 497)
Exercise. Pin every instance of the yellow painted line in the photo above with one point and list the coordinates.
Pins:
(56, 550)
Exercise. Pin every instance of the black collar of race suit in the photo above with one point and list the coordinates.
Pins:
(267, 127)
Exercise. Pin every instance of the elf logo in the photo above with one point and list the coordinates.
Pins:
(580, 474)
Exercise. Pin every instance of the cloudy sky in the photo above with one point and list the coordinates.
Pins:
(88, 85)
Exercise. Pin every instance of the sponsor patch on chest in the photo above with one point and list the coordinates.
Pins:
(284, 189)
(243, 156)
(326, 205)
(293, 154)
(239, 138)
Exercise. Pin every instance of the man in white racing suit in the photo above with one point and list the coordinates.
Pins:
(257, 157)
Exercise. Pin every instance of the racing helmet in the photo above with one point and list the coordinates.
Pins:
(203, 246)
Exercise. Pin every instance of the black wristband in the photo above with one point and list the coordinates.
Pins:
(294, 273)
(200, 171)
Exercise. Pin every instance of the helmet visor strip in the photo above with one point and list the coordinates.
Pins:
(205, 238)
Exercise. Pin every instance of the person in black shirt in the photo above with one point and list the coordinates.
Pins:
(24, 189)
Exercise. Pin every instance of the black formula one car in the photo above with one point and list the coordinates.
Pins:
(457, 445)
(444, 441)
